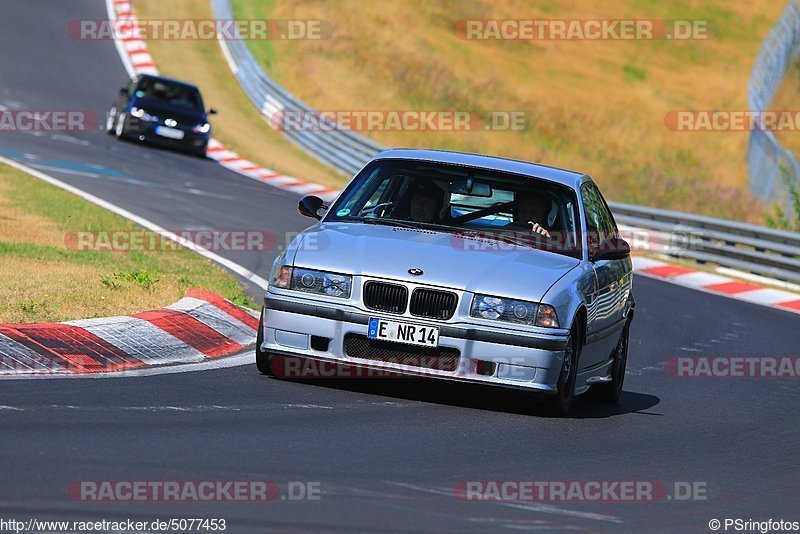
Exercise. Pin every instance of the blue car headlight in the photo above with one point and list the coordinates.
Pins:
(139, 113)
(513, 311)
(311, 281)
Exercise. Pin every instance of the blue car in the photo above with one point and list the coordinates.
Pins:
(161, 111)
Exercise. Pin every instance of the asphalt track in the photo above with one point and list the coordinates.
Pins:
(387, 454)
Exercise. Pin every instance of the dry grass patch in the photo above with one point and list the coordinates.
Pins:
(16, 225)
(594, 106)
(43, 278)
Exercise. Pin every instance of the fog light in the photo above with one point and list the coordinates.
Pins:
(485, 368)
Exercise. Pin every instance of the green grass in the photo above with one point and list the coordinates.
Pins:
(633, 72)
(252, 10)
(44, 277)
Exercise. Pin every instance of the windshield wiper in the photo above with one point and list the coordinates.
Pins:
(382, 222)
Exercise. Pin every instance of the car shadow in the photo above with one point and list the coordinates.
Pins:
(482, 397)
(164, 148)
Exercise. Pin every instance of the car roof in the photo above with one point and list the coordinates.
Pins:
(168, 80)
(562, 176)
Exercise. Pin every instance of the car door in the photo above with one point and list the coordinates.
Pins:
(606, 305)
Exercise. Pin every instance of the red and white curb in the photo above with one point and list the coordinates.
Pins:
(717, 284)
(198, 327)
(232, 161)
(137, 59)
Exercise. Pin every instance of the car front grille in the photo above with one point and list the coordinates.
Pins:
(438, 358)
(433, 304)
(385, 297)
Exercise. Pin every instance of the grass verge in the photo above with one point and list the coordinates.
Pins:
(46, 278)
(597, 106)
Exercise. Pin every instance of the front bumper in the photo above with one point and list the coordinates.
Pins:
(193, 142)
(496, 356)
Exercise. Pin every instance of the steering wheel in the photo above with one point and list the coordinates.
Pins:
(371, 210)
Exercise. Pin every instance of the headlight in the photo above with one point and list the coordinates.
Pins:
(311, 281)
(513, 311)
(202, 128)
(139, 113)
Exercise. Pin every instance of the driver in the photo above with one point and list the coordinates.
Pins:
(427, 201)
(531, 210)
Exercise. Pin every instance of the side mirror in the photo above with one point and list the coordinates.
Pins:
(123, 91)
(613, 248)
(212, 111)
(310, 205)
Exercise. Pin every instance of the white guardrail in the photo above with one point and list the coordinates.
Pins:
(755, 249)
(342, 149)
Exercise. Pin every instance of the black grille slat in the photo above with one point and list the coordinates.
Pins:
(391, 298)
(433, 304)
(438, 358)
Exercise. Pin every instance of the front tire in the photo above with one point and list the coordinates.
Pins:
(119, 129)
(560, 404)
(263, 359)
(199, 152)
(111, 117)
(611, 392)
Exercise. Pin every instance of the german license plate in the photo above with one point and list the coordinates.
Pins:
(172, 133)
(413, 334)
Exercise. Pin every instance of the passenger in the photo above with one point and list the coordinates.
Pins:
(531, 210)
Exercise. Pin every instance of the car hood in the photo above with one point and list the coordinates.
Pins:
(446, 259)
(162, 111)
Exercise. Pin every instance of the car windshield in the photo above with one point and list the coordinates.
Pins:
(170, 93)
(475, 203)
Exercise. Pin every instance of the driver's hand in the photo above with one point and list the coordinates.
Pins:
(537, 229)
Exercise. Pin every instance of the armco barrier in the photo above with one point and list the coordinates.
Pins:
(763, 251)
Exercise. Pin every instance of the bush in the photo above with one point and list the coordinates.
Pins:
(780, 219)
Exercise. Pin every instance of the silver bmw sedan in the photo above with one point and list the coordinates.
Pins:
(457, 267)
